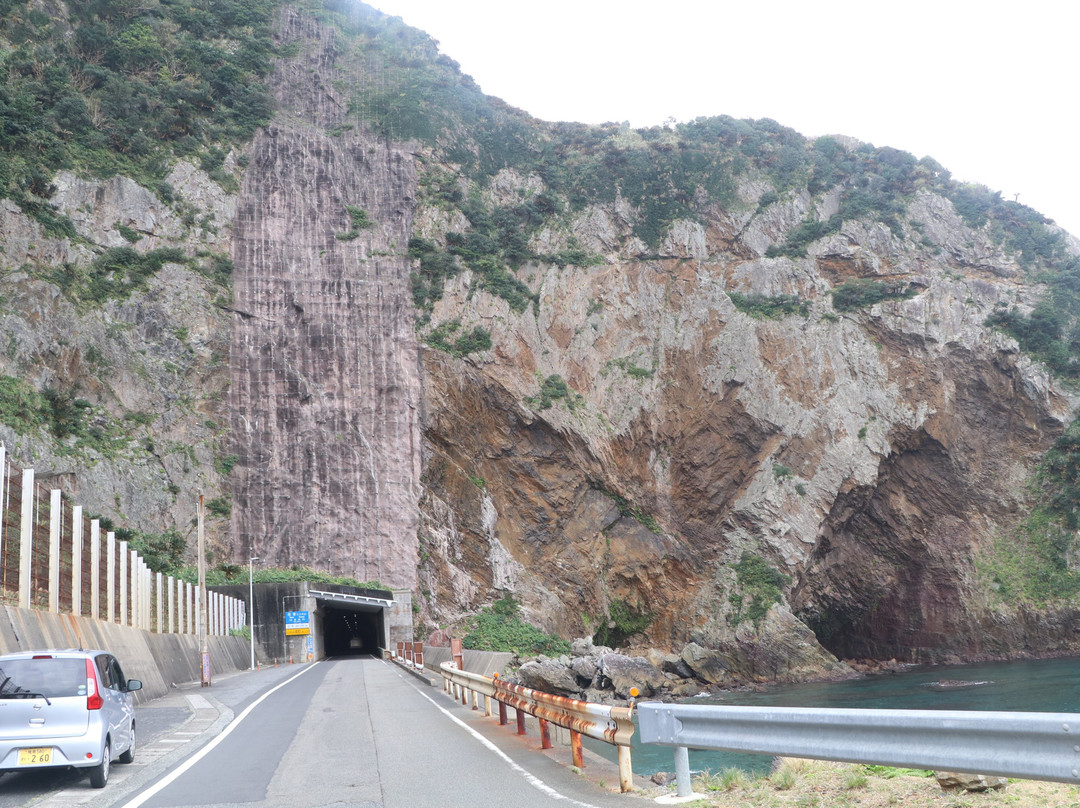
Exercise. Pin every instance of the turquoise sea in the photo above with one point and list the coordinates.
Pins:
(1051, 685)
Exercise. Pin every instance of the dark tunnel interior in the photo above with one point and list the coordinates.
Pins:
(351, 633)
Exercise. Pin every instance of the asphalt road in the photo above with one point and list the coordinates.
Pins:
(350, 732)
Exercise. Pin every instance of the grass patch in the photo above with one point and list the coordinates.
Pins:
(552, 389)
(889, 772)
(729, 779)
(627, 509)
(630, 369)
(798, 239)
(1028, 564)
(826, 784)
(226, 573)
(359, 219)
(114, 275)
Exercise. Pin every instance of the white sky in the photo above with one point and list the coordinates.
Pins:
(988, 89)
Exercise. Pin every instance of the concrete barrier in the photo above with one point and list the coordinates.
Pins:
(159, 660)
(484, 663)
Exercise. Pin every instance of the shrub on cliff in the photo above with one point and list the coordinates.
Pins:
(623, 621)
(499, 628)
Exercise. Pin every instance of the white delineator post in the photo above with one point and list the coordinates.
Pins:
(110, 575)
(26, 537)
(55, 523)
(76, 560)
(95, 568)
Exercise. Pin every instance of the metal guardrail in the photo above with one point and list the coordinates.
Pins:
(1036, 746)
(613, 725)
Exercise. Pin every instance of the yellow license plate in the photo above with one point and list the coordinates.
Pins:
(35, 756)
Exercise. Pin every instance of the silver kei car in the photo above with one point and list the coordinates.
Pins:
(66, 708)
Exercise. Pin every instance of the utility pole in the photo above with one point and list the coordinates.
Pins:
(204, 613)
(251, 607)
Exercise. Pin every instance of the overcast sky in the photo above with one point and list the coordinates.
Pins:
(988, 89)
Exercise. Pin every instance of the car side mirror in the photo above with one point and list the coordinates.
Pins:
(134, 684)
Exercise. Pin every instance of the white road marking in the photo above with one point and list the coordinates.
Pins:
(530, 778)
(191, 761)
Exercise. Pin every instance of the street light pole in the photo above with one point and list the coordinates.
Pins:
(251, 602)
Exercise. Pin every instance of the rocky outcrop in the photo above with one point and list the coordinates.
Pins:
(596, 673)
(150, 366)
(868, 455)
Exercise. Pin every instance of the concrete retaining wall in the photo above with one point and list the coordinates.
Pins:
(484, 663)
(159, 660)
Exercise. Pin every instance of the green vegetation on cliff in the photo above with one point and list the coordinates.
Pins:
(1051, 331)
(450, 338)
(500, 628)
(621, 623)
(1033, 562)
(759, 586)
(77, 428)
(110, 87)
(776, 307)
(863, 292)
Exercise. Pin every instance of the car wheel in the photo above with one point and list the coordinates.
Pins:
(129, 755)
(99, 775)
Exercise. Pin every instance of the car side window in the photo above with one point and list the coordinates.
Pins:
(105, 671)
(119, 682)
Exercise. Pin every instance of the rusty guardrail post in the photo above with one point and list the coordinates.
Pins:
(613, 725)
(577, 753)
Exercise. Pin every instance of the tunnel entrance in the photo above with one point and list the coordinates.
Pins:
(351, 633)
(351, 623)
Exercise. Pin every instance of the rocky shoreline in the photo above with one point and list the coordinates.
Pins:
(601, 674)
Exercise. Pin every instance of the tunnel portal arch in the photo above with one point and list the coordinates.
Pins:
(350, 625)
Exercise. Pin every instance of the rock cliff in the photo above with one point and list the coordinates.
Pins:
(325, 377)
(712, 386)
(868, 455)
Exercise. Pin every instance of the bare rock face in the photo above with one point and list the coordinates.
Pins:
(325, 382)
(866, 457)
(98, 209)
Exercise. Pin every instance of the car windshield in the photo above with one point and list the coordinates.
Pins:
(49, 677)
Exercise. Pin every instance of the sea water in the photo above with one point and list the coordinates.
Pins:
(1051, 685)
